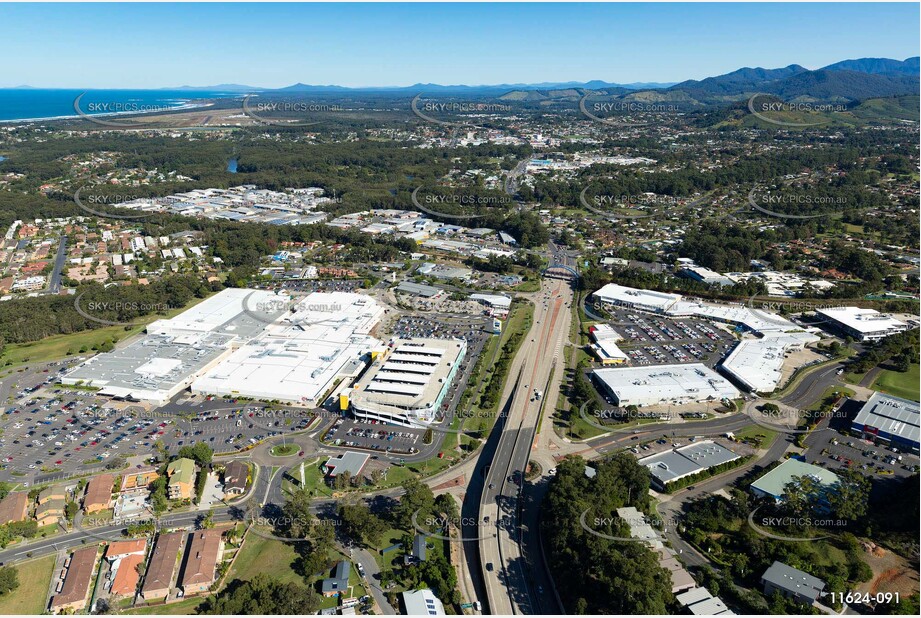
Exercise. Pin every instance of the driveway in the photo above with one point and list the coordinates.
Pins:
(214, 493)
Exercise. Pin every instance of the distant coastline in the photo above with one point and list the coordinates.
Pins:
(27, 105)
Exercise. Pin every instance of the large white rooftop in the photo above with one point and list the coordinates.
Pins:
(864, 321)
(665, 384)
(651, 299)
(298, 357)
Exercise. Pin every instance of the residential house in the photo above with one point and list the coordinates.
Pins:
(339, 582)
(422, 603)
(235, 475)
(792, 583)
(124, 558)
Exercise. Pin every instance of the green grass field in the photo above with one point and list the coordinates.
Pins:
(905, 385)
(262, 555)
(34, 580)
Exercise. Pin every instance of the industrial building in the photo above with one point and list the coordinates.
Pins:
(773, 484)
(889, 419)
(861, 324)
(686, 461)
(663, 385)
(407, 383)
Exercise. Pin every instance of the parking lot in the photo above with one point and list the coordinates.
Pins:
(316, 285)
(837, 452)
(55, 429)
(374, 436)
(658, 340)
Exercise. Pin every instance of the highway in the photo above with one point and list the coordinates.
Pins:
(507, 580)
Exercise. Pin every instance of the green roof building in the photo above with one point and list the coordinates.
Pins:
(181, 475)
(772, 484)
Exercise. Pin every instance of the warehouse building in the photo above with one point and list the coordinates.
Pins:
(892, 420)
(408, 382)
(663, 385)
(861, 324)
(686, 461)
(773, 484)
(757, 364)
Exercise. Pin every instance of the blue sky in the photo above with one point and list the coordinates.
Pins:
(273, 45)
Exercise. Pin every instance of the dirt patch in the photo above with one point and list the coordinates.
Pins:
(891, 573)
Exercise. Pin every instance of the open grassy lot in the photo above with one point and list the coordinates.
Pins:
(758, 436)
(34, 580)
(905, 385)
(262, 555)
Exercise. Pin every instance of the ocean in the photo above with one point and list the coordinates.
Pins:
(42, 104)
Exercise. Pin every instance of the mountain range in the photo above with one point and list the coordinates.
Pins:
(848, 81)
